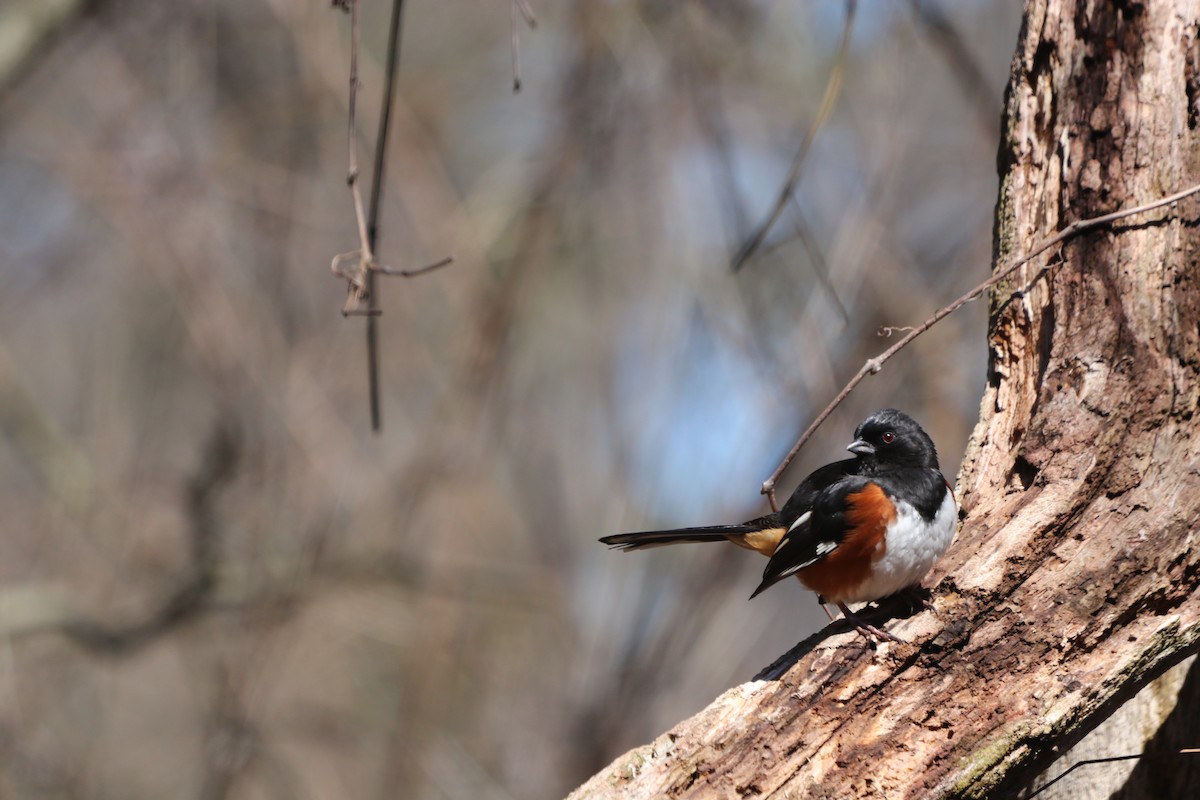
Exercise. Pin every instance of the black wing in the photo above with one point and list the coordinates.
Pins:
(801, 501)
(815, 533)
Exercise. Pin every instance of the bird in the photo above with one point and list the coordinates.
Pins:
(854, 531)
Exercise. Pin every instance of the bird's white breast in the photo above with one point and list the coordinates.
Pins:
(913, 546)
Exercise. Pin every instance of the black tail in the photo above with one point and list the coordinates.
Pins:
(645, 539)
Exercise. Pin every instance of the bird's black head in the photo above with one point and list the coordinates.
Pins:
(892, 438)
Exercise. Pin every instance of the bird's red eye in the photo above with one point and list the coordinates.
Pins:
(888, 437)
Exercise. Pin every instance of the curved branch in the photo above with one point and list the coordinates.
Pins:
(873, 365)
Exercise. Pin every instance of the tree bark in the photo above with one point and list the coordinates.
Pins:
(1074, 580)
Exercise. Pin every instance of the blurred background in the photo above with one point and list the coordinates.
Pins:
(216, 582)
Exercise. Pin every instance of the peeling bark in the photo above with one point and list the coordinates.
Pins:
(1075, 579)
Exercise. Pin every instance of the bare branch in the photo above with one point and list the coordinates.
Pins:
(526, 12)
(357, 274)
(873, 365)
(358, 267)
(412, 273)
(188, 600)
(519, 8)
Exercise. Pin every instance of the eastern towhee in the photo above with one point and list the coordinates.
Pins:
(853, 531)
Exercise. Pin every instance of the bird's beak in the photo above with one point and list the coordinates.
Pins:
(861, 447)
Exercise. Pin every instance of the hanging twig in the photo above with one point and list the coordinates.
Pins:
(519, 8)
(358, 267)
(873, 365)
(354, 266)
(391, 62)
(833, 86)
(412, 273)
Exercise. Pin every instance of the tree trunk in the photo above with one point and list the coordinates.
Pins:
(1074, 580)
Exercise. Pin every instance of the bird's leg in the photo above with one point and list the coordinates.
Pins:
(825, 608)
(866, 629)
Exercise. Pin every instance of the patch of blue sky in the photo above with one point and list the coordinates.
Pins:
(834, 174)
(38, 216)
(700, 422)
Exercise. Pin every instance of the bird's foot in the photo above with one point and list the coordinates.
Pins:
(866, 629)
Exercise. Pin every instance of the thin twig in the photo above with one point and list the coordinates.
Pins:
(526, 12)
(412, 273)
(833, 86)
(873, 365)
(515, 47)
(391, 62)
(519, 8)
(360, 275)
(357, 275)
(359, 267)
(1186, 751)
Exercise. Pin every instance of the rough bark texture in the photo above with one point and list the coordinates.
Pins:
(1075, 579)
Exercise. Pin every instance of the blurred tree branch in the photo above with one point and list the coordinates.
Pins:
(48, 610)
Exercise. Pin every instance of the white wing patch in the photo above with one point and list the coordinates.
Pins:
(786, 540)
(793, 570)
(800, 520)
(823, 549)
